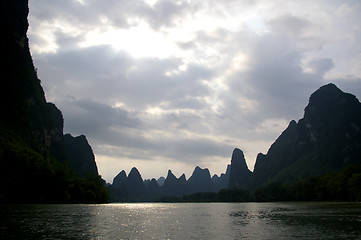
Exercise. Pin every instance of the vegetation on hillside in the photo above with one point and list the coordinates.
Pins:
(31, 177)
(33, 162)
(344, 185)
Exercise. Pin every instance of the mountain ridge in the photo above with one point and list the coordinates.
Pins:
(326, 139)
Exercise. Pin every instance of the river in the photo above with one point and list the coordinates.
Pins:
(182, 221)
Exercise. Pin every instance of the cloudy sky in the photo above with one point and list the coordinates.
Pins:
(174, 84)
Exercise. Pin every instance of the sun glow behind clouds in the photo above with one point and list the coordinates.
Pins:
(139, 41)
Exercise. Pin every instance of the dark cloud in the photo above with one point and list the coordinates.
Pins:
(86, 116)
(290, 25)
(115, 77)
(123, 133)
(274, 79)
(180, 149)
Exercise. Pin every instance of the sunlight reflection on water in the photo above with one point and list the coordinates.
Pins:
(182, 221)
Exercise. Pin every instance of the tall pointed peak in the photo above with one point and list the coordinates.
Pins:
(122, 173)
(134, 171)
(237, 156)
(120, 178)
(197, 169)
(170, 175)
(182, 178)
(134, 174)
(239, 172)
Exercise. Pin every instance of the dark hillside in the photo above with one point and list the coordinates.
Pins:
(33, 160)
(326, 139)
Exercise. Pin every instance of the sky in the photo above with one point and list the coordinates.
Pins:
(158, 84)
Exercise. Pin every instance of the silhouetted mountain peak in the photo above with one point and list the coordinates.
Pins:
(173, 186)
(197, 168)
(200, 181)
(134, 175)
(199, 172)
(182, 178)
(170, 176)
(326, 139)
(239, 172)
(119, 179)
(80, 155)
(238, 158)
(328, 102)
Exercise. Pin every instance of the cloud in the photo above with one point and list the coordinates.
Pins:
(114, 77)
(98, 116)
(321, 66)
(290, 25)
(183, 83)
(121, 133)
(165, 13)
(274, 79)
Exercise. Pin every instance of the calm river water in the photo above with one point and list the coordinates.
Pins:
(182, 221)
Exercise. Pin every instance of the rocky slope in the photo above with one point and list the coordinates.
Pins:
(326, 139)
(80, 155)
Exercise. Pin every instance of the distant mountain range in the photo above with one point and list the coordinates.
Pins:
(133, 188)
(326, 139)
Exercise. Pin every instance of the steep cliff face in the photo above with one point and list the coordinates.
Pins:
(326, 139)
(23, 105)
(32, 150)
(80, 155)
(240, 173)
